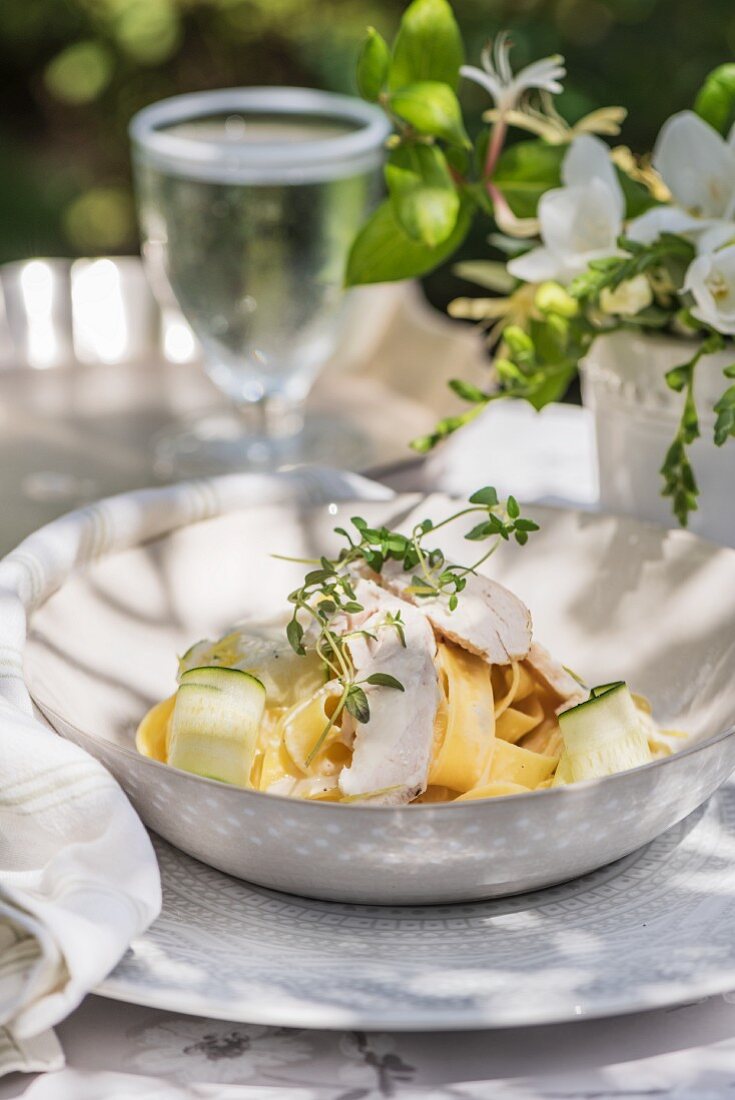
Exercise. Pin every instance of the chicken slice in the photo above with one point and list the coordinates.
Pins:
(556, 677)
(392, 752)
(489, 620)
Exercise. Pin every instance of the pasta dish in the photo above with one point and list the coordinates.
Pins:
(401, 679)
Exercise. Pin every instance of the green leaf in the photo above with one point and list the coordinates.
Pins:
(423, 196)
(729, 372)
(428, 45)
(715, 102)
(357, 705)
(725, 423)
(480, 531)
(550, 384)
(372, 66)
(458, 159)
(318, 576)
(550, 337)
(295, 634)
(677, 377)
(430, 108)
(525, 171)
(487, 496)
(382, 679)
(513, 509)
(382, 252)
(680, 483)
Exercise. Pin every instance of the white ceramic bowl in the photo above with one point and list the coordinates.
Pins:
(611, 597)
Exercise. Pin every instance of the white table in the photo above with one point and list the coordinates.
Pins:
(89, 432)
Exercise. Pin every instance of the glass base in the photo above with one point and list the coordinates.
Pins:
(223, 443)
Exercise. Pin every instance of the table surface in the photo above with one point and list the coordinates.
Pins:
(66, 437)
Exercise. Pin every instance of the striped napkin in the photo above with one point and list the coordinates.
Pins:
(78, 877)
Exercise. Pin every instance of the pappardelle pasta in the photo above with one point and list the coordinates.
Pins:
(391, 690)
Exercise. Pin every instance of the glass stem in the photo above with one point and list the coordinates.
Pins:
(273, 417)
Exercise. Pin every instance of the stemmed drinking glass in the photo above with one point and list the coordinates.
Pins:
(248, 201)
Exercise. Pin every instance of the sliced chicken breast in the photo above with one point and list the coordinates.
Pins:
(392, 751)
(489, 620)
(556, 677)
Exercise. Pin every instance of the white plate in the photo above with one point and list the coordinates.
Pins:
(652, 930)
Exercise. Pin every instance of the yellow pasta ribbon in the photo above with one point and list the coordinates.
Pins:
(496, 789)
(303, 725)
(519, 719)
(151, 738)
(465, 750)
(513, 764)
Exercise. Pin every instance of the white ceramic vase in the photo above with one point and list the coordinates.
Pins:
(636, 416)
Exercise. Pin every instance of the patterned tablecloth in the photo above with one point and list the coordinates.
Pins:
(64, 439)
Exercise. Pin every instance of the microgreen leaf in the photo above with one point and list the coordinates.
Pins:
(383, 679)
(488, 496)
(479, 531)
(328, 597)
(357, 705)
(317, 576)
(295, 634)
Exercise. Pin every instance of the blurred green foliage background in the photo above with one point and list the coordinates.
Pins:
(74, 71)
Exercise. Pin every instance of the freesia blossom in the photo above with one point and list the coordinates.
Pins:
(506, 88)
(698, 167)
(710, 278)
(580, 221)
(547, 123)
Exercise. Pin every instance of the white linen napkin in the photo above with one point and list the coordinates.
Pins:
(78, 877)
(543, 457)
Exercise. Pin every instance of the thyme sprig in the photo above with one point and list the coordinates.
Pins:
(327, 599)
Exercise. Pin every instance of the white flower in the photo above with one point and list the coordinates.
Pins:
(717, 236)
(698, 167)
(580, 221)
(496, 75)
(627, 299)
(215, 1051)
(711, 280)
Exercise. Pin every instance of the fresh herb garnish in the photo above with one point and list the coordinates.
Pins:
(327, 596)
